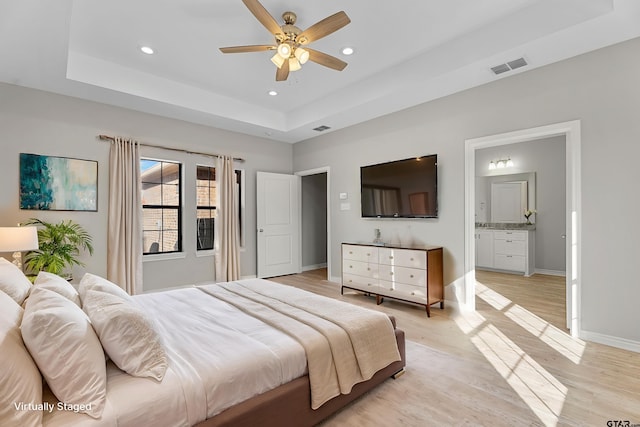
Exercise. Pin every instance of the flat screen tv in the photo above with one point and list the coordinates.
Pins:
(400, 189)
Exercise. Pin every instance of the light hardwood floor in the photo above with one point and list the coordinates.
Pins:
(511, 362)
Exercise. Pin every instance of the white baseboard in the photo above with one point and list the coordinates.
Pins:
(550, 272)
(314, 267)
(610, 340)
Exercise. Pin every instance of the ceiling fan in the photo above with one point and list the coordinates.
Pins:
(290, 53)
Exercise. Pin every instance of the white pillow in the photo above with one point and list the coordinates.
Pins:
(13, 281)
(66, 349)
(20, 380)
(97, 283)
(57, 284)
(127, 334)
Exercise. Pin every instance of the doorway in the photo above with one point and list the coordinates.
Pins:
(571, 132)
(314, 222)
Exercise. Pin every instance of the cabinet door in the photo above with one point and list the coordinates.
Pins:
(484, 248)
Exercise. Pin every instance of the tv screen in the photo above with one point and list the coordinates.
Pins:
(400, 189)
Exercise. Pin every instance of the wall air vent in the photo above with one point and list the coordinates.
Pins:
(511, 65)
(321, 128)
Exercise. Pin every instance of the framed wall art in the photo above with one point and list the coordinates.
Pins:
(58, 183)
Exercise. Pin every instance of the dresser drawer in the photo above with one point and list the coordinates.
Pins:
(403, 257)
(510, 247)
(509, 262)
(360, 268)
(408, 276)
(403, 291)
(509, 235)
(360, 253)
(361, 283)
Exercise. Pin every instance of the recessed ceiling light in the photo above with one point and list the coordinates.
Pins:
(147, 50)
(347, 51)
(273, 93)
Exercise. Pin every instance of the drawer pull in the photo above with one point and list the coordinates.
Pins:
(390, 289)
(368, 254)
(509, 241)
(411, 276)
(413, 293)
(411, 259)
(391, 273)
(368, 269)
(350, 281)
(350, 252)
(351, 266)
(390, 256)
(368, 284)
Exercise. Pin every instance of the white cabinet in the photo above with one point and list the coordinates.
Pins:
(511, 250)
(408, 274)
(484, 248)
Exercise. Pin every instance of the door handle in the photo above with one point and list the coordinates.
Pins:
(564, 236)
(261, 230)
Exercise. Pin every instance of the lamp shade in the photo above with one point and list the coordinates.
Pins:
(18, 239)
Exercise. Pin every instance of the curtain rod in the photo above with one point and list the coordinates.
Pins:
(112, 139)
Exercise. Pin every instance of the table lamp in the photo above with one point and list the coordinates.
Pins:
(18, 240)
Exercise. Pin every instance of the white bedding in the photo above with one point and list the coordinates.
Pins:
(243, 358)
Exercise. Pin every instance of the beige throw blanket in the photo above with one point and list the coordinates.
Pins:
(344, 344)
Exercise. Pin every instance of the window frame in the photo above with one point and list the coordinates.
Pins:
(179, 208)
(240, 181)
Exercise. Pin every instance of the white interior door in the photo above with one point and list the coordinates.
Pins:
(278, 239)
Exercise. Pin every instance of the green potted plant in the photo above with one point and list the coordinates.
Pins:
(60, 245)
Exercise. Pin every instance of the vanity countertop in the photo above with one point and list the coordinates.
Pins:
(504, 226)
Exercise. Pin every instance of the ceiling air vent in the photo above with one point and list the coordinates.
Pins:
(321, 128)
(511, 65)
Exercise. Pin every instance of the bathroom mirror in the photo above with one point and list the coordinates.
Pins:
(512, 194)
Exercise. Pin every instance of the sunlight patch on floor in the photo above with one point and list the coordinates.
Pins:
(570, 347)
(560, 341)
(540, 390)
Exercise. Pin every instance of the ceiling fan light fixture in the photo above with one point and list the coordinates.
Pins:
(294, 64)
(302, 55)
(277, 60)
(284, 50)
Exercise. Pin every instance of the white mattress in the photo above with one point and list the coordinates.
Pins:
(218, 356)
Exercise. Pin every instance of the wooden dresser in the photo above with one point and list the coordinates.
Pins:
(411, 274)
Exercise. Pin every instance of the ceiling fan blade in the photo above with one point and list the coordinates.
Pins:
(326, 60)
(250, 48)
(323, 28)
(282, 73)
(263, 16)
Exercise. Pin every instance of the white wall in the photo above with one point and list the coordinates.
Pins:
(38, 122)
(547, 159)
(599, 88)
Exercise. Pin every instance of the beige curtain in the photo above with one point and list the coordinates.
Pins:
(227, 240)
(124, 241)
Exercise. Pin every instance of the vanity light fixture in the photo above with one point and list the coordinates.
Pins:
(500, 164)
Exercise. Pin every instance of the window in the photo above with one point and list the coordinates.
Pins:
(206, 205)
(161, 206)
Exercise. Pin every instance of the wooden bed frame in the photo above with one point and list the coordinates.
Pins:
(292, 401)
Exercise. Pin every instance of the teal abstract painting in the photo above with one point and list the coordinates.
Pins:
(58, 183)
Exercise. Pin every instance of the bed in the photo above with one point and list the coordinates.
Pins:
(235, 358)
